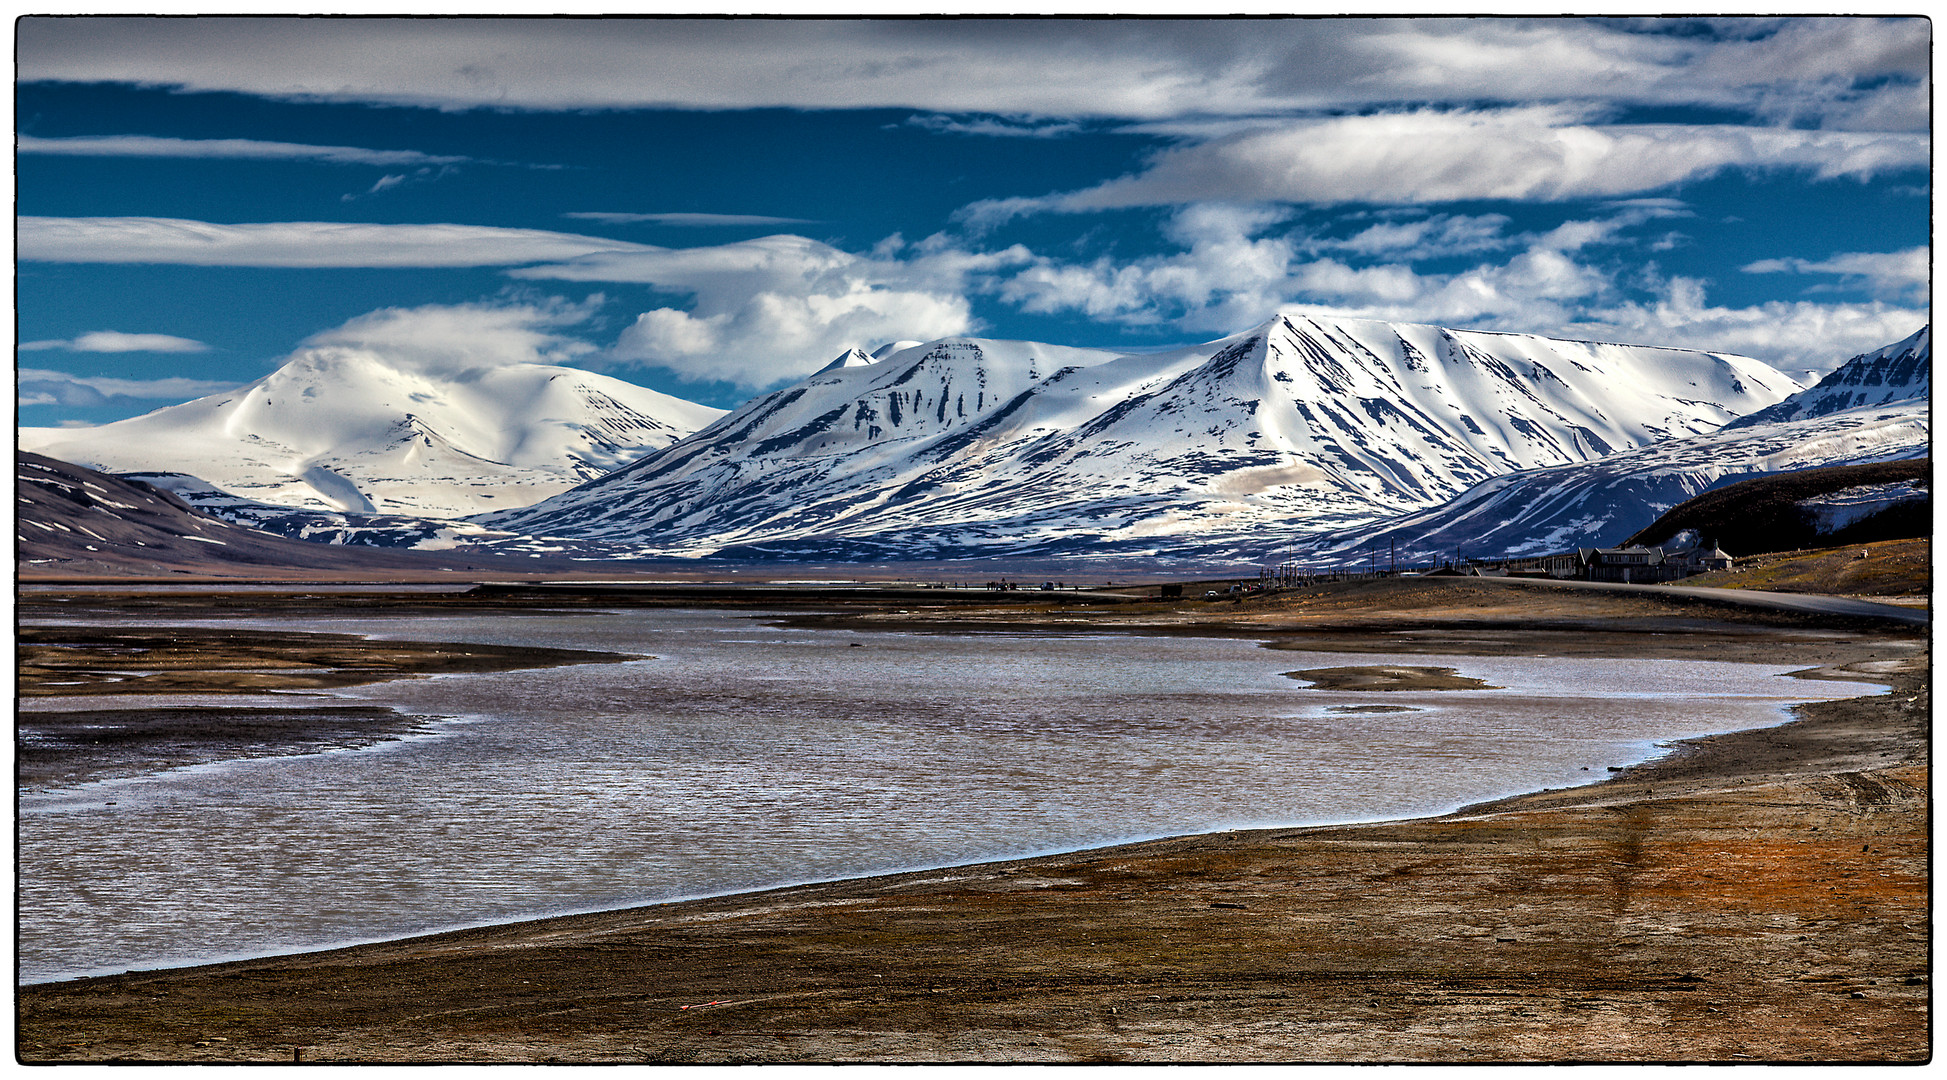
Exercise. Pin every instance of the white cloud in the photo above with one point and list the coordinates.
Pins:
(764, 310)
(1434, 236)
(772, 337)
(687, 220)
(1791, 336)
(157, 146)
(1226, 279)
(1891, 275)
(37, 386)
(779, 307)
(1229, 277)
(452, 340)
(294, 243)
(393, 180)
(1536, 153)
(114, 341)
(995, 126)
(1844, 70)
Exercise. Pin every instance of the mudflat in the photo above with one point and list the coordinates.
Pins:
(90, 738)
(1389, 677)
(1757, 896)
(68, 661)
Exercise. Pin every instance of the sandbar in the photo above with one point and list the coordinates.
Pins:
(1388, 677)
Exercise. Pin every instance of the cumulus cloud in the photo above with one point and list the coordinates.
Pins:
(1535, 153)
(453, 340)
(1228, 275)
(778, 307)
(1892, 275)
(1232, 273)
(1794, 336)
(37, 386)
(763, 310)
(293, 243)
(158, 146)
(114, 341)
(1808, 70)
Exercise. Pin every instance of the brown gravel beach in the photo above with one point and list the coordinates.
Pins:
(1758, 896)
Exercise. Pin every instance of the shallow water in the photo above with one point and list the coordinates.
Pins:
(746, 756)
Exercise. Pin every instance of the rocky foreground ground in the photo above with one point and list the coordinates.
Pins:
(1760, 896)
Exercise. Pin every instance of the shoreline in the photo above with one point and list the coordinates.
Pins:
(1753, 895)
(404, 724)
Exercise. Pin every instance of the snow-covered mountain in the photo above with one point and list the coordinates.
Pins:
(342, 428)
(322, 526)
(974, 447)
(1603, 502)
(1901, 371)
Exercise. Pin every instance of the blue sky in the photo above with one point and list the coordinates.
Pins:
(716, 207)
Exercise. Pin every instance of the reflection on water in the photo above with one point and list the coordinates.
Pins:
(746, 756)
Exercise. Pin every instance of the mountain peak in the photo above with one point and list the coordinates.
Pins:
(891, 347)
(346, 428)
(968, 446)
(853, 357)
(1898, 372)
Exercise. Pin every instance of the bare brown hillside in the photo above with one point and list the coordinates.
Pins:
(1890, 568)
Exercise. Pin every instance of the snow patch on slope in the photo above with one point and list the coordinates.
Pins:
(1601, 503)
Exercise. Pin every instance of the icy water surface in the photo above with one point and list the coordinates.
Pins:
(746, 756)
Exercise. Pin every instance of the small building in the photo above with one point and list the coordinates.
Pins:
(1701, 559)
(1634, 565)
(1649, 565)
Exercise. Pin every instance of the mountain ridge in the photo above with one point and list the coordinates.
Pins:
(966, 445)
(1603, 502)
(1897, 372)
(341, 428)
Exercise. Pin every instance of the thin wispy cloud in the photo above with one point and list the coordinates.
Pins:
(114, 341)
(995, 126)
(36, 386)
(1537, 154)
(390, 181)
(685, 220)
(1860, 72)
(153, 146)
(1894, 275)
(295, 243)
